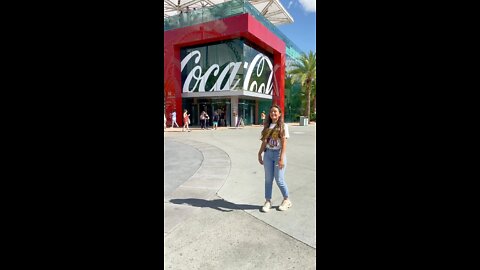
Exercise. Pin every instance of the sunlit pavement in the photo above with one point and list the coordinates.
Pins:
(212, 218)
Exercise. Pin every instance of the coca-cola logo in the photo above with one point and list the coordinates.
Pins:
(196, 80)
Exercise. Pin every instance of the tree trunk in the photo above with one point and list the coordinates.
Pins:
(308, 101)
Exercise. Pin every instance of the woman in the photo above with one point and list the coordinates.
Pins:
(274, 146)
(186, 121)
(202, 118)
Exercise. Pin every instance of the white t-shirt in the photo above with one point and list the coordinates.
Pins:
(174, 115)
(277, 144)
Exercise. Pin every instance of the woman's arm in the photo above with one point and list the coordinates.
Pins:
(283, 152)
(262, 149)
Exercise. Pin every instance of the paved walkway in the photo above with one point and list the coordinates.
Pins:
(180, 155)
(212, 218)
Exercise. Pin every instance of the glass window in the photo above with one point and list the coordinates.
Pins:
(226, 65)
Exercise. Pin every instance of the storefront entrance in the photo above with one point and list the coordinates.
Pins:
(196, 106)
(246, 110)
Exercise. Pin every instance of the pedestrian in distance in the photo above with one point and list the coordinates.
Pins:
(186, 121)
(206, 117)
(174, 119)
(263, 117)
(202, 117)
(215, 119)
(203, 120)
(274, 149)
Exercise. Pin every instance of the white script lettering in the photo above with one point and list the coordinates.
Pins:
(200, 80)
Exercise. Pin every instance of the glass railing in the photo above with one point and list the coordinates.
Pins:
(206, 14)
(224, 10)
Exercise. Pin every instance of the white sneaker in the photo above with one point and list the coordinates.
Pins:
(285, 205)
(266, 207)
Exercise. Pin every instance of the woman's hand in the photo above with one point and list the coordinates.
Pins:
(280, 164)
(260, 159)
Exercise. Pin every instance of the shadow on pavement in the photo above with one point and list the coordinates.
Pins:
(217, 204)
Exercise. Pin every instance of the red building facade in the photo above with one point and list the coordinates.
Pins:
(180, 89)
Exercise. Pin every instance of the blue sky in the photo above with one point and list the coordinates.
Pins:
(303, 30)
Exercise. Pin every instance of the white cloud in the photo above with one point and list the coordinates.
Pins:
(289, 4)
(309, 5)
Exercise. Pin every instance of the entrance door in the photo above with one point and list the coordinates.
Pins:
(245, 112)
(222, 106)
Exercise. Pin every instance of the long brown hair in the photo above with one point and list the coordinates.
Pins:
(278, 127)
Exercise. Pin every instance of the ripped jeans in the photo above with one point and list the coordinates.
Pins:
(270, 164)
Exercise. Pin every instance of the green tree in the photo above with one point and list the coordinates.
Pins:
(293, 99)
(314, 97)
(304, 71)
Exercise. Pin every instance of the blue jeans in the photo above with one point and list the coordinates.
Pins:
(270, 163)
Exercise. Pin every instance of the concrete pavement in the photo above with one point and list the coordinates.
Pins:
(180, 155)
(212, 218)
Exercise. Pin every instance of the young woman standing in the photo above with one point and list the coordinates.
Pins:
(186, 121)
(274, 147)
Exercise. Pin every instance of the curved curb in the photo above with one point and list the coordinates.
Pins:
(210, 176)
(203, 184)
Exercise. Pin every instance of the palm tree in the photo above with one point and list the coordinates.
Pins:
(304, 71)
(314, 96)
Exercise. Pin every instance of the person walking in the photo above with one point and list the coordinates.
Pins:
(202, 120)
(263, 117)
(186, 121)
(174, 119)
(206, 117)
(215, 119)
(274, 148)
